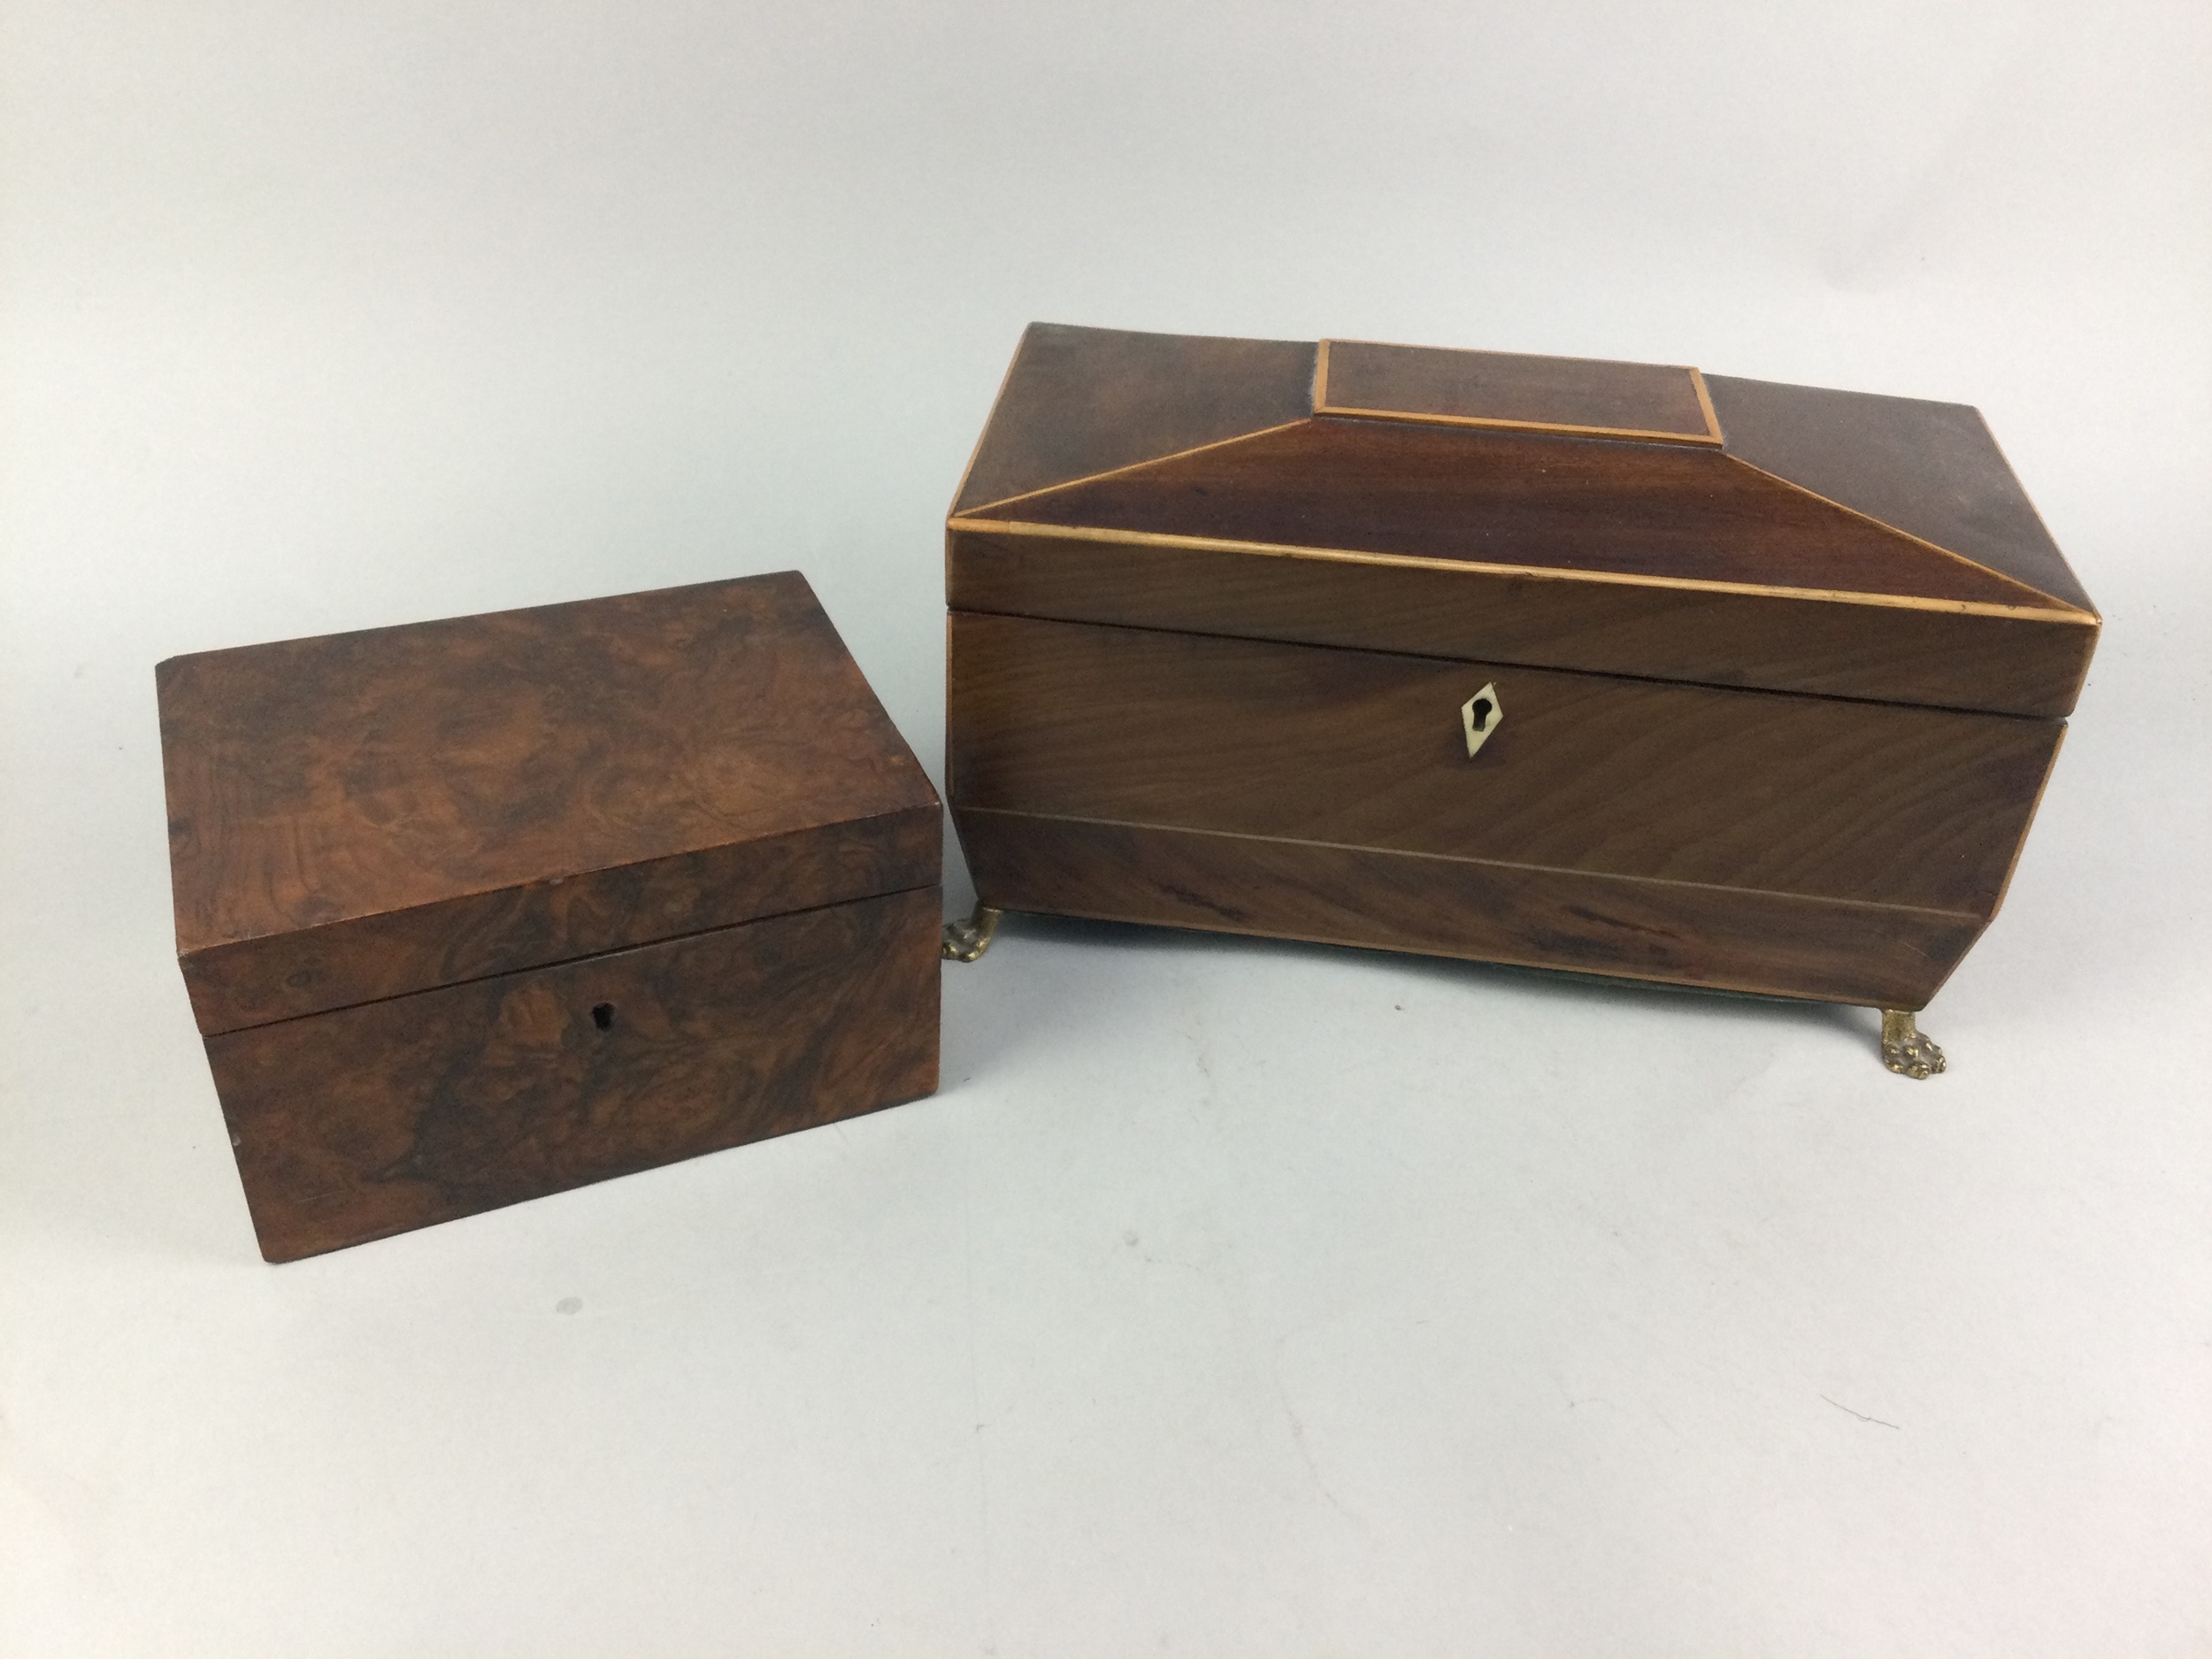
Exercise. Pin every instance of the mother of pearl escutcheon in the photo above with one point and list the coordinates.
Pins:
(1479, 716)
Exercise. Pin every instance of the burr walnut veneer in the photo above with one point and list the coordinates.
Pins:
(477, 909)
(1599, 666)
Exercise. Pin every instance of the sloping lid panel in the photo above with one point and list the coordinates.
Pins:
(1931, 470)
(1657, 512)
(1080, 401)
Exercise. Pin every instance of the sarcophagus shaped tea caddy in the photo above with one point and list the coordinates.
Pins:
(1607, 667)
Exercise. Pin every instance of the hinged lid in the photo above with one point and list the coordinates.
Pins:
(1626, 517)
(363, 815)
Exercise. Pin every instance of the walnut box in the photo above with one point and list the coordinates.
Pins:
(478, 909)
(1601, 666)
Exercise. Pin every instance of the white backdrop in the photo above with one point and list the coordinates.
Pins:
(1231, 1297)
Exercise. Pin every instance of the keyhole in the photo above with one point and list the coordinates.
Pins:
(1481, 715)
(602, 1016)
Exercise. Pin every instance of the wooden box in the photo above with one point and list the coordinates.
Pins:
(1599, 666)
(478, 909)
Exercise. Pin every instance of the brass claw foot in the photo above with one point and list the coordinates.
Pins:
(966, 940)
(1904, 1050)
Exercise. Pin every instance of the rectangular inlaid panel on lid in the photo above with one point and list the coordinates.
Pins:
(1507, 388)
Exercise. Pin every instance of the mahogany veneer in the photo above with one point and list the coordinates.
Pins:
(1781, 671)
(477, 909)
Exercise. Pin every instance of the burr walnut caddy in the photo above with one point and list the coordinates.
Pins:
(477, 909)
(1607, 667)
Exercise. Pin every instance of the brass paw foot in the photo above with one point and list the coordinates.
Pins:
(966, 940)
(1904, 1050)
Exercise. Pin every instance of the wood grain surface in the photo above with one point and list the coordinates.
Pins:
(371, 1120)
(1420, 382)
(1754, 790)
(2028, 664)
(370, 957)
(368, 814)
(1782, 670)
(1880, 955)
(1079, 401)
(1933, 470)
(1659, 511)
